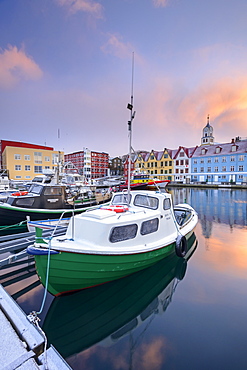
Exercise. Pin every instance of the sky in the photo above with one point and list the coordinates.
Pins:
(67, 66)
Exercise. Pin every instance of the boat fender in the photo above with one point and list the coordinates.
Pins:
(116, 208)
(181, 246)
(18, 193)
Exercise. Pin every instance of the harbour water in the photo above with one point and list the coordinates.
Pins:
(175, 315)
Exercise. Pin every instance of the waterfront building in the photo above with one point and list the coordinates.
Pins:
(221, 163)
(156, 163)
(116, 166)
(182, 163)
(24, 160)
(89, 163)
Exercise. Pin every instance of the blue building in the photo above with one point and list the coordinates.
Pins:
(219, 163)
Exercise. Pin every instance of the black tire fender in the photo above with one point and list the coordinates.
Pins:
(181, 246)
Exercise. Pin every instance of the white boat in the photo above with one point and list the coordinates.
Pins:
(133, 232)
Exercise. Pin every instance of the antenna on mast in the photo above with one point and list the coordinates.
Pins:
(132, 116)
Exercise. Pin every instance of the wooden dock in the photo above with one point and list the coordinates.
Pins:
(22, 345)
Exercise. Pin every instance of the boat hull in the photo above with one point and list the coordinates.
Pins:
(14, 218)
(75, 271)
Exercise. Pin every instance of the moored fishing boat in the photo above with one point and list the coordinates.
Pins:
(133, 232)
(141, 181)
(45, 201)
(136, 230)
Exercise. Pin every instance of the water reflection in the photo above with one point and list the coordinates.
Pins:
(111, 311)
(223, 206)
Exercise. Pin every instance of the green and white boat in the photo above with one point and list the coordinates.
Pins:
(132, 233)
(136, 230)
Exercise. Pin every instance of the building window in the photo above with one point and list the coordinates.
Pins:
(17, 156)
(216, 159)
(232, 169)
(209, 160)
(202, 169)
(17, 167)
(27, 168)
(27, 157)
(223, 159)
(181, 154)
(202, 160)
(241, 158)
(240, 168)
(47, 159)
(27, 177)
(181, 162)
(195, 169)
(224, 168)
(209, 169)
(177, 163)
(38, 169)
(37, 157)
(232, 158)
(217, 150)
(216, 169)
(234, 148)
(195, 161)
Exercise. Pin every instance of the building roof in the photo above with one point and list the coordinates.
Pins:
(20, 144)
(225, 149)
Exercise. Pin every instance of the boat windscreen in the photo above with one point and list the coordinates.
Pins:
(121, 198)
(146, 201)
(36, 189)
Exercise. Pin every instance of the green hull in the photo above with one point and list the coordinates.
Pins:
(78, 321)
(74, 271)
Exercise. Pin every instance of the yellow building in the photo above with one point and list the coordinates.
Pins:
(25, 163)
(157, 164)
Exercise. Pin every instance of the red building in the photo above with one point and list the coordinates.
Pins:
(89, 163)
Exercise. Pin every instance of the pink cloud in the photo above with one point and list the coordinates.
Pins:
(160, 3)
(87, 6)
(115, 46)
(15, 66)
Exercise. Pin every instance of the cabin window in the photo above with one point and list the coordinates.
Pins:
(36, 189)
(146, 201)
(53, 191)
(167, 204)
(121, 233)
(24, 202)
(149, 226)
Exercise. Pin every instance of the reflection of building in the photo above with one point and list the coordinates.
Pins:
(224, 206)
(23, 160)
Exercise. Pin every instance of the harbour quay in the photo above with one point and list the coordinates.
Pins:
(22, 345)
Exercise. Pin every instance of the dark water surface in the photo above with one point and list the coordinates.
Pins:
(174, 315)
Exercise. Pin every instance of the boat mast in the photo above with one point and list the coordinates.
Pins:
(132, 116)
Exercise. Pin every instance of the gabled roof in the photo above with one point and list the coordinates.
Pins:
(188, 151)
(226, 149)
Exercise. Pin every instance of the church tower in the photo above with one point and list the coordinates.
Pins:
(207, 134)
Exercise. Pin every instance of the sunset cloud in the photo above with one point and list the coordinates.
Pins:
(87, 6)
(115, 46)
(160, 3)
(15, 66)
